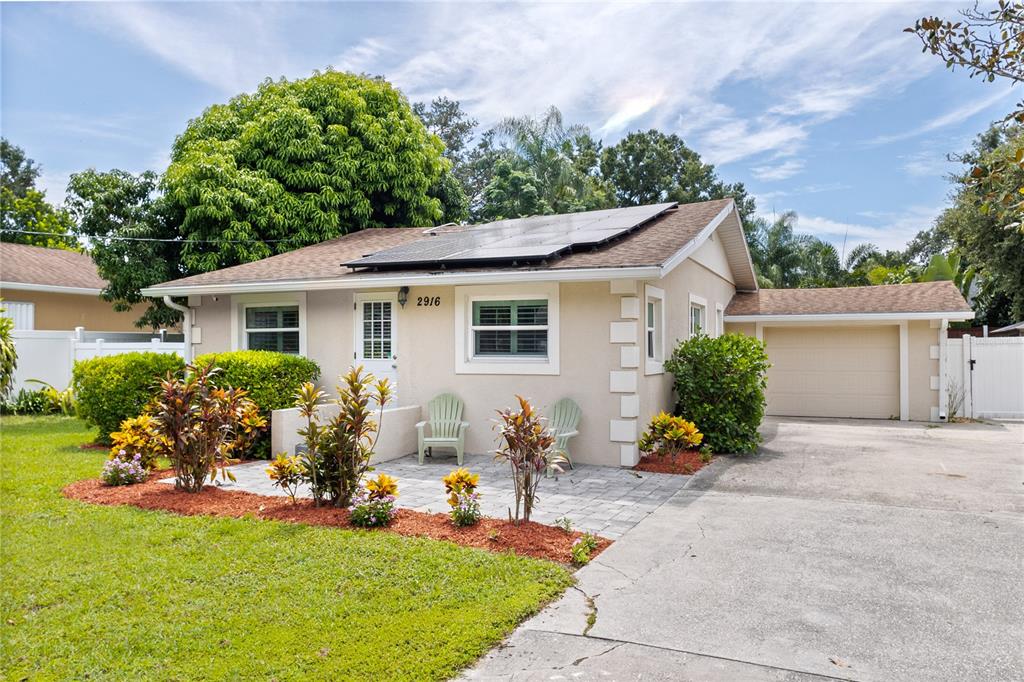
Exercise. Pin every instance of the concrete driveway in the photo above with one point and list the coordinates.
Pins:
(843, 550)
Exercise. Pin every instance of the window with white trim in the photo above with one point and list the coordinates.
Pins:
(719, 319)
(273, 328)
(654, 329)
(510, 328)
(698, 315)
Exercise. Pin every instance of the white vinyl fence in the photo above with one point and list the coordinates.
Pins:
(50, 356)
(986, 377)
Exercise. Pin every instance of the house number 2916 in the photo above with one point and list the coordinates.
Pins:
(428, 301)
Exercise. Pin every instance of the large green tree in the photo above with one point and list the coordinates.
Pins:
(133, 233)
(446, 118)
(650, 167)
(298, 162)
(26, 217)
(513, 193)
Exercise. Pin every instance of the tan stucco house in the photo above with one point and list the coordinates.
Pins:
(57, 290)
(585, 306)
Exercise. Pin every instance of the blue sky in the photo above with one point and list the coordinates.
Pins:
(823, 108)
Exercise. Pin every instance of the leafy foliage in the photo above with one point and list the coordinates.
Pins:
(23, 208)
(296, 163)
(374, 504)
(139, 436)
(113, 388)
(528, 449)
(669, 434)
(513, 194)
(463, 497)
(269, 378)
(987, 43)
(720, 384)
(8, 355)
(26, 401)
(582, 548)
(338, 453)
(119, 213)
(286, 473)
(124, 470)
(205, 425)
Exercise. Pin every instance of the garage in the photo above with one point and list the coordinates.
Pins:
(851, 371)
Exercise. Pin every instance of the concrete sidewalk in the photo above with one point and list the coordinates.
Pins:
(845, 550)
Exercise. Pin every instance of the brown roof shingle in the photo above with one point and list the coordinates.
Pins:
(48, 267)
(651, 245)
(923, 297)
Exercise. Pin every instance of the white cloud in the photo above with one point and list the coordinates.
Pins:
(952, 117)
(782, 171)
(891, 230)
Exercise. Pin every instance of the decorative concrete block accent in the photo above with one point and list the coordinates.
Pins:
(622, 381)
(933, 352)
(934, 382)
(629, 308)
(623, 332)
(629, 406)
(622, 430)
(629, 356)
(623, 286)
(628, 455)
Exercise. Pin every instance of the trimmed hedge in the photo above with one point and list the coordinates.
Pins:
(113, 388)
(719, 385)
(270, 378)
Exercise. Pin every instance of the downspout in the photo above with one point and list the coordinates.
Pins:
(186, 325)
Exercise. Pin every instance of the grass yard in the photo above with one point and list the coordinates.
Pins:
(120, 593)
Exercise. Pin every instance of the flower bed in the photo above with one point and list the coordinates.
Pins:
(686, 462)
(527, 539)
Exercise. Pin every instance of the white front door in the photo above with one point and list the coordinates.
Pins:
(376, 336)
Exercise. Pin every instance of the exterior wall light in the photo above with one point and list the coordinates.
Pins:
(403, 296)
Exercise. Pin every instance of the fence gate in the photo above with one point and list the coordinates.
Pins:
(986, 377)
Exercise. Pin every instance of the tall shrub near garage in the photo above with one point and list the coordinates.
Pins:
(270, 380)
(719, 385)
(113, 388)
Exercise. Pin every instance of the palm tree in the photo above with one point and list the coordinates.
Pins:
(777, 252)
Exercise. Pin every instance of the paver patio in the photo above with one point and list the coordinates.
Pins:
(603, 500)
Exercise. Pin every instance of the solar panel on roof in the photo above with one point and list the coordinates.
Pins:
(520, 239)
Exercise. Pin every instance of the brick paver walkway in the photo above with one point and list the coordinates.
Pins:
(604, 500)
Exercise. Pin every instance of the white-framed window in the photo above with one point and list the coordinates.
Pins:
(698, 315)
(272, 328)
(505, 329)
(275, 322)
(719, 319)
(654, 330)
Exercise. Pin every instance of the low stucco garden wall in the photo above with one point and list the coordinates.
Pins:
(397, 436)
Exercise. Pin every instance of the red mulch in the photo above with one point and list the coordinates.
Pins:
(528, 539)
(687, 462)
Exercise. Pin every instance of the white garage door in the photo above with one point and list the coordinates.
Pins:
(833, 371)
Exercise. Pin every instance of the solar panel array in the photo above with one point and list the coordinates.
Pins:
(518, 240)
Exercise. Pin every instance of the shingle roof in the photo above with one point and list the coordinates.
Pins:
(924, 297)
(48, 267)
(650, 245)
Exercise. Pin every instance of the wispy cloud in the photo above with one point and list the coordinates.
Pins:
(952, 117)
(886, 230)
(782, 171)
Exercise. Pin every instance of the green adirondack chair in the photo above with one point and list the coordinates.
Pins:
(565, 419)
(447, 429)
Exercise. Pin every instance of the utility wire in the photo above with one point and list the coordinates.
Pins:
(145, 239)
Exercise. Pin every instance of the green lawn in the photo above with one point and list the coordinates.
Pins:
(120, 593)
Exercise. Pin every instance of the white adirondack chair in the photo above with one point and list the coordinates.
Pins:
(446, 427)
(565, 419)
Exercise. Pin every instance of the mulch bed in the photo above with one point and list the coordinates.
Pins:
(687, 462)
(528, 539)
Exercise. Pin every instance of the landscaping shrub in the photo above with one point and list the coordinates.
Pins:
(668, 434)
(138, 436)
(528, 450)
(374, 504)
(582, 548)
(113, 388)
(719, 384)
(462, 496)
(338, 453)
(26, 401)
(204, 425)
(8, 355)
(286, 473)
(270, 378)
(123, 470)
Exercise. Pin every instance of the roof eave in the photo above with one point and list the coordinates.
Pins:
(950, 315)
(50, 288)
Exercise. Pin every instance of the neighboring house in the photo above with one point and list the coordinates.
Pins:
(1009, 330)
(585, 306)
(55, 289)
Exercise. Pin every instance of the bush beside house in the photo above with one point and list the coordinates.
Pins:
(113, 388)
(720, 385)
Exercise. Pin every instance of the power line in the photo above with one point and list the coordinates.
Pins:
(145, 239)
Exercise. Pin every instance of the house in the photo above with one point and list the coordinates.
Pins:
(587, 306)
(58, 290)
(1009, 330)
